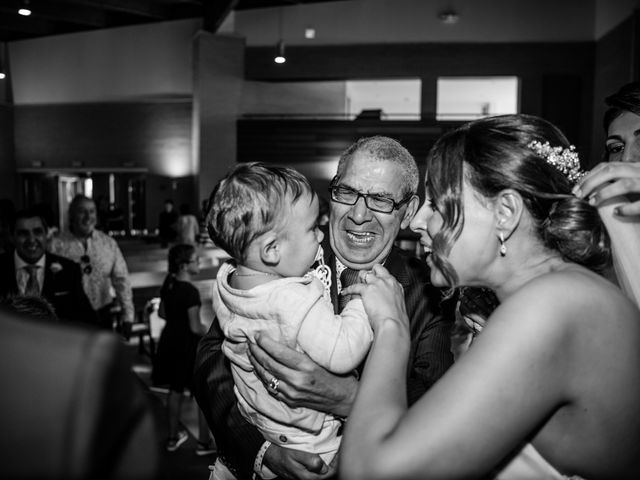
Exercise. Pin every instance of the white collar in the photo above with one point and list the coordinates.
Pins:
(20, 263)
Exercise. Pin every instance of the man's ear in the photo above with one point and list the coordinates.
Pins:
(508, 207)
(410, 212)
(269, 245)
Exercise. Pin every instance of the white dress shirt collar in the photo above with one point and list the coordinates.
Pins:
(20, 263)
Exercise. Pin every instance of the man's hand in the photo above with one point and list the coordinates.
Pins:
(294, 464)
(301, 382)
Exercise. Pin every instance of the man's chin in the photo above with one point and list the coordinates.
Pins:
(358, 257)
(32, 257)
(85, 231)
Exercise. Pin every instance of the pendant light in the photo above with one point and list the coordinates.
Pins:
(280, 58)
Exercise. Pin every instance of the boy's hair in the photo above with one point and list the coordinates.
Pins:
(249, 202)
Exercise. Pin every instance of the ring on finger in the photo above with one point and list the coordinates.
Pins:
(273, 385)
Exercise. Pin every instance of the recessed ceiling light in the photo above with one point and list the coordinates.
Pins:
(309, 33)
(449, 17)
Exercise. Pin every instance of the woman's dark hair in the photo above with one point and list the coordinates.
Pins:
(627, 99)
(178, 255)
(492, 154)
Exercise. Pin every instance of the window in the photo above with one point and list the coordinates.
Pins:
(384, 99)
(468, 98)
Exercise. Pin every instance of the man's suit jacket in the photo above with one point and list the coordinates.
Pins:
(430, 355)
(62, 287)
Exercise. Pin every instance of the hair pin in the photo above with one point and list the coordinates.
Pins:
(563, 159)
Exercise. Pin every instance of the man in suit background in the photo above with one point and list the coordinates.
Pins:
(30, 270)
(373, 196)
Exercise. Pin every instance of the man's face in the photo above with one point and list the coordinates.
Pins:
(360, 237)
(30, 238)
(84, 218)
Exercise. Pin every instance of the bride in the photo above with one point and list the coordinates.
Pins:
(549, 388)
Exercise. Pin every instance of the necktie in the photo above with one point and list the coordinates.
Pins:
(32, 288)
(347, 277)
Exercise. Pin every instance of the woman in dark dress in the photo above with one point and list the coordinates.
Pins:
(173, 363)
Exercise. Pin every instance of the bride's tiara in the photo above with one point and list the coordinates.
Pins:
(564, 159)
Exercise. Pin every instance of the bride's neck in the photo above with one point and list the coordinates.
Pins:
(531, 268)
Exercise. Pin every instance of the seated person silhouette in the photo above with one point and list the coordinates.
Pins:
(71, 406)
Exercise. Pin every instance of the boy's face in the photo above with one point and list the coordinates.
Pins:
(299, 238)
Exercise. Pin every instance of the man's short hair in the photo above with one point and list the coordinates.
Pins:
(28, 213)
(249, 202)
(75, 203)
(388, 149)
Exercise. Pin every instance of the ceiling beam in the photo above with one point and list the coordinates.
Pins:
(215, 13)
(58, 13)
(141, 8)
(22, 26)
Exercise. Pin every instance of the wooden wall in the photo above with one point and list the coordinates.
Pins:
(123, 134)
(302, 143)
(123, 137)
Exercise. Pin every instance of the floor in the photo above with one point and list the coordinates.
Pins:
(183, 464)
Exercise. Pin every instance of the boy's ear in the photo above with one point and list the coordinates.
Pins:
(269, 249)
(508, 210)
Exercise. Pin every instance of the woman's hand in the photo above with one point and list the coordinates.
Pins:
(610, 180)
(382, 295)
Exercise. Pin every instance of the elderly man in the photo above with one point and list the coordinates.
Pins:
(31, 272)
(373, 196)
(104, 269)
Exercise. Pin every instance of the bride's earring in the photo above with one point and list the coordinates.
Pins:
(503, 247)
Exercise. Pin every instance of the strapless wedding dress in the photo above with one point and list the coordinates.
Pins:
(530, 465)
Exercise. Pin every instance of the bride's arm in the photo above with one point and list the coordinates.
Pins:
(471, 419)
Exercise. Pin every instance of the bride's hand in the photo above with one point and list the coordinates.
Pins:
(382, 295)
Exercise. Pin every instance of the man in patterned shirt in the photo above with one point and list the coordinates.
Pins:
(105, 275)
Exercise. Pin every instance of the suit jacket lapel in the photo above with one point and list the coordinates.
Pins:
(13, 281)
(396, 266)
(47, 283)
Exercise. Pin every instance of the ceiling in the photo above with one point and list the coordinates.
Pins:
(55, 17)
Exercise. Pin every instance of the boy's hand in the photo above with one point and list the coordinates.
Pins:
(295, 464)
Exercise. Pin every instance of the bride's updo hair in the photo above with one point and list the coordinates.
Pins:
(493, 154)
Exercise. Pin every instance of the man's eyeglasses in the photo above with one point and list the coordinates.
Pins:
(85, 263)
(374, 202)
